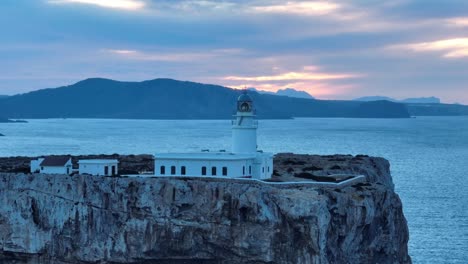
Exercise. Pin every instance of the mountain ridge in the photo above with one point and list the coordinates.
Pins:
(291, 92)
(165, 98)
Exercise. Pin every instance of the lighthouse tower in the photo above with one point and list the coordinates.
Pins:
(244, 126)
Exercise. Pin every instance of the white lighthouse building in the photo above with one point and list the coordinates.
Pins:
(244, 161)
(244, 127)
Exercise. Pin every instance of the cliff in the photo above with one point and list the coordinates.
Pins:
(86, 219)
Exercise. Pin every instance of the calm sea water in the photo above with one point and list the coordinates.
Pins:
(429, 157)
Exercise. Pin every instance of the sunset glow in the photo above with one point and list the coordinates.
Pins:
(301, 8)
(450, 48)
(292, 76)
(332, 49)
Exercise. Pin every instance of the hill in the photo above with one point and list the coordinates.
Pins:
(437, 109)
(172, 99)
(418, 100)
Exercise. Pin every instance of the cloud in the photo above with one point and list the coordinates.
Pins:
(171, 55)
(156, 56)
(449, 48)
(458, 22)
(318, 90)
(299, 8)
(122, 52)
(116, 4)
(288, 76)
(311, 79)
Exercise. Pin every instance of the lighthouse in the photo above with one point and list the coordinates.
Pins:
(245, 160)
(244, 126)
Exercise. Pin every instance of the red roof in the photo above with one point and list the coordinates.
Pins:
(55, 161)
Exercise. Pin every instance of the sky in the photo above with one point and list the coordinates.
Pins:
(330, 49)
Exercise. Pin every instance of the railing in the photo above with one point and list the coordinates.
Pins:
(291, 184)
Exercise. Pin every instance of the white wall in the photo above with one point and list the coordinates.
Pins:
(35, 165)
(263, 166)
(97, 168)
(56, 170)
(194, 167)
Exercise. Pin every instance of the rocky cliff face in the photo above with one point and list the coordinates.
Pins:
(86, 219)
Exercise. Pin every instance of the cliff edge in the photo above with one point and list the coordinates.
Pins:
(86, 219)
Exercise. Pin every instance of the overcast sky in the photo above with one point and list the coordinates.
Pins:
(331, 49)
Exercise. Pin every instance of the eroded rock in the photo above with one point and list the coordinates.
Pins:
(86, 219)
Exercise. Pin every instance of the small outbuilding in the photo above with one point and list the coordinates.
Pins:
(52, 165)
(100, 167)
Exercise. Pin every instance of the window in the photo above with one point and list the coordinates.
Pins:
(268, 168)
(182, 170)
(163, 170)
(250, 170)
(243, 170)
(173, 170)
(203, 170)
(263, 169)
(224, 171)
(213, 171)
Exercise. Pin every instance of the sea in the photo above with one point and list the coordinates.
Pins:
(428, 155)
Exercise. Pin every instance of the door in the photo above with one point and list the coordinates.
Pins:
(113, 170)
(106, 170)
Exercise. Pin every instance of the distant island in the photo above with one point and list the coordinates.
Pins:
(418, 100)
(423, 106)
(172, 99)
(291, 92)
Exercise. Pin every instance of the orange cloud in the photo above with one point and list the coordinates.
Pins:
(317, 90)
(292, 76)
(450, 48)
(311, 80)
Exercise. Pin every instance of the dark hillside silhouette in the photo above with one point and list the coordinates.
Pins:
(172, 99)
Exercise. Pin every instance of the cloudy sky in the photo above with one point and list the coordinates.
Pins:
(331, 49)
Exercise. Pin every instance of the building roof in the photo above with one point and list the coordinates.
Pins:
(55, 161)
(205, 156)
(98, 161)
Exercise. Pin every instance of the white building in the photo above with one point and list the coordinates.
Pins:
(35, 165)
(52, 165)
(103, 167)
(245, 160)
